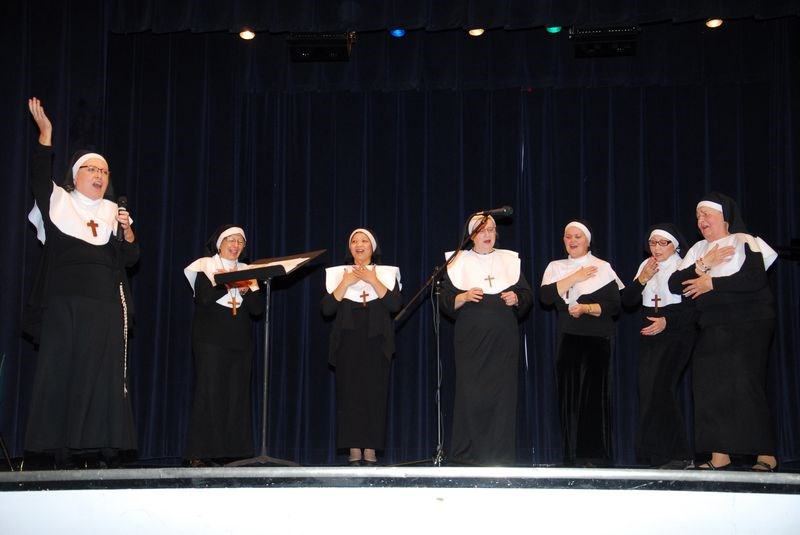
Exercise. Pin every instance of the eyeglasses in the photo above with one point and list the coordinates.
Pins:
(232, 241)
(662, 243)
(487, 230)
(92, 169)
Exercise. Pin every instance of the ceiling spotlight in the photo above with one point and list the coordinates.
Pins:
(247, 34)
(397, 32)
(476, 32)
(553, 29)
(714, 23)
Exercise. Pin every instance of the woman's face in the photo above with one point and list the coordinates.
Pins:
(92, 178)
(661, 247)
(484, 240)
(231, 247)
(361, 249)
(711, 223)
(575, 242)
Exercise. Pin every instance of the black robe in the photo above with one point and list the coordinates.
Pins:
(661, 436)
(487, 341)
(79, 400)
(220, 426)
(361, 348)
(583, 375)
(729, 364)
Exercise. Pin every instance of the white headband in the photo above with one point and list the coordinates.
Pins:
(664, 233)
(80, 161)
(230, 232)
(580, 226)
(710, 204)
(477, 220)
(368, 234)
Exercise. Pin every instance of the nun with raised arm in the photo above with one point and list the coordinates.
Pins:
(585, 292)
(725, 274)
(362, 297)
(487, 295)
(665, 345)
(220, 424)
(79, 311)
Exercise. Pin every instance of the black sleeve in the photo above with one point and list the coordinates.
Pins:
(524, 295)
(676, 279)
(41, 181)
(632, 294)
(447, 300)
(204, 292)
(392, 301)
(329, 305)
(608, 297)
(253, 302)
(548, 295)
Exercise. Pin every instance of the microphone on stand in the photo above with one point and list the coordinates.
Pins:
(505, 211)
(122, 206)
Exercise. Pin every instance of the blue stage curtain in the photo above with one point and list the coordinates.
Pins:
(409, 138)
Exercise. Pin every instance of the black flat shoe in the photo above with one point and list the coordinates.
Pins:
(761, 466)
(708, 465)
(370, 462)
(354, 462)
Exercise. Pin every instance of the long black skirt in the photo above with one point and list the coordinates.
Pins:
(78, 402)
(662, 431)
(362, 387)
(729, 376)
(584, 392)
(220, 426)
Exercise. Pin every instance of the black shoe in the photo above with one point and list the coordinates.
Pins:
(354, 462)
(368, 462)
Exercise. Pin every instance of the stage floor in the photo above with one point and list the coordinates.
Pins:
(397, 500)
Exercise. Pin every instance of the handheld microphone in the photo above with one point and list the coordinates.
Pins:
(122, 206)
(505, 211)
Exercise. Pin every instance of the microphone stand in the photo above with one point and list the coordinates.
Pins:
(438, 456)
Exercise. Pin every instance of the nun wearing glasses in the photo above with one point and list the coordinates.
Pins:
(79, 311)
(665, 346)
(486, 293)
(585, 291)
(220, 425)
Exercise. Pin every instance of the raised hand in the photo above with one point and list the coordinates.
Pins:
(42, 121)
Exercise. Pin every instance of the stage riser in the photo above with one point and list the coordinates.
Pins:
(395, 510)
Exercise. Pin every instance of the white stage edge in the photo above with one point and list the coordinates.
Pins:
(397, 500)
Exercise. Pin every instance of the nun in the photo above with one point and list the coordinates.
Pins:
(79, 311)
(585, 292)
(665, 345)
(486, 294)
(361, 296)
(220, 425)
(725, 274)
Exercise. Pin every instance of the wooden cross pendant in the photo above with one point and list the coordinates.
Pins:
(364, 296)
(94, 226)
(233, 302)
(490, 278)
(656, 300)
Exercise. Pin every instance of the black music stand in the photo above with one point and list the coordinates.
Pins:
(265, 270)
